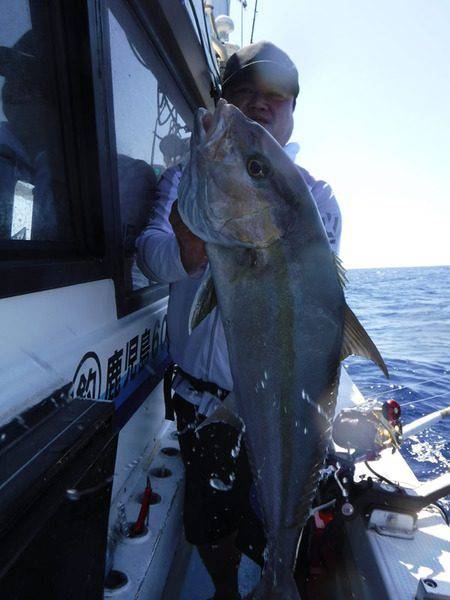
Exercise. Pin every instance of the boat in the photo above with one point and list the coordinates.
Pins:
(101, 100)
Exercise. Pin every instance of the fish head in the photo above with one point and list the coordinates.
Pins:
(239, 187)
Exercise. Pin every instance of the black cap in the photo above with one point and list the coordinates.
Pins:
(265, 60)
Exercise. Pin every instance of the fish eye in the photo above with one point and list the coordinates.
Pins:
(256, 168)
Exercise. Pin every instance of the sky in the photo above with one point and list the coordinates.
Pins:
(372, 118)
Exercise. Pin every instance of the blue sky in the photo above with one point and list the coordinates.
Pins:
(373, 117)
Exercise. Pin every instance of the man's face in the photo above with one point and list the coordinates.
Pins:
(266, 105)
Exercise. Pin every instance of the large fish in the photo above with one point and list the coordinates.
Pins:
(279, 290)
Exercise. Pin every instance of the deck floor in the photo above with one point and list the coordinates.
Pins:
(198, 585)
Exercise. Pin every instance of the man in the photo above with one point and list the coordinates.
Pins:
(262, 82)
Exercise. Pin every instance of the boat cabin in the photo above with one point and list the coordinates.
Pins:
(97, 100)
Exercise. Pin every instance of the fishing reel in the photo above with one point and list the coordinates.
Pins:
(365, 430)
(361, 434)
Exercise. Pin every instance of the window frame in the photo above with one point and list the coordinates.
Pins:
(31, 266)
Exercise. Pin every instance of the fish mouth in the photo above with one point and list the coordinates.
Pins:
(209, 127)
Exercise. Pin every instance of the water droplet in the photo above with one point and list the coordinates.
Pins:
(72, 494)
(305, 431)
(220, 485)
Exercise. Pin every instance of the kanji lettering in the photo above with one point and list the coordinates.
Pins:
(113, 375)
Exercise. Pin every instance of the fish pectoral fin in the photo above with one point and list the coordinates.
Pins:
(205, 301)
(356, 340)
(225, 413)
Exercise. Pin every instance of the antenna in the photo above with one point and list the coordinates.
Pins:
(253, 24)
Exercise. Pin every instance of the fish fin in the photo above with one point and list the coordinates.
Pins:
(357, 341)
(205, 301)
(225, 413)
(341, 272)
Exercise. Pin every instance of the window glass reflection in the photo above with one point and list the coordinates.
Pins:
(151, 134)
(33, 194)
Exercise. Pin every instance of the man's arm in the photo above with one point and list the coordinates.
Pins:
(330, 213)
(167, 250)
(328, 208)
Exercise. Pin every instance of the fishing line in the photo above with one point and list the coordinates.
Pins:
(427, 398)
(405, 387)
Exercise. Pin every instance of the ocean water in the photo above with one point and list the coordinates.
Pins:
(407, 313)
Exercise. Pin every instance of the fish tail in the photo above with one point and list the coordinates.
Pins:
(270, 588)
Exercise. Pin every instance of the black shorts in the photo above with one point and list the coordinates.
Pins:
(218, 483)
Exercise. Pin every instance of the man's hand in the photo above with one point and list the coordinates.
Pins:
(192, 248)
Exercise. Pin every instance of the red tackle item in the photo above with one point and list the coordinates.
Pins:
(139, 526)
(392, 411)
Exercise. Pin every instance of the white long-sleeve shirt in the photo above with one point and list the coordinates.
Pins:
(203, 354)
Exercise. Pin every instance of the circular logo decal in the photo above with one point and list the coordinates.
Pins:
(87, 381)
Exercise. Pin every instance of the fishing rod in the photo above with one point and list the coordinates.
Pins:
(422, 423)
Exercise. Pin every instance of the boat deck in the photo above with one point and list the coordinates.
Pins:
(198, 586)
(161, 565)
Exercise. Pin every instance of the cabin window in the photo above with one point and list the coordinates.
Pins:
(34, 201)
(150, 132)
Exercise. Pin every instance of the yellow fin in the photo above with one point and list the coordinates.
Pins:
(357, 341)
